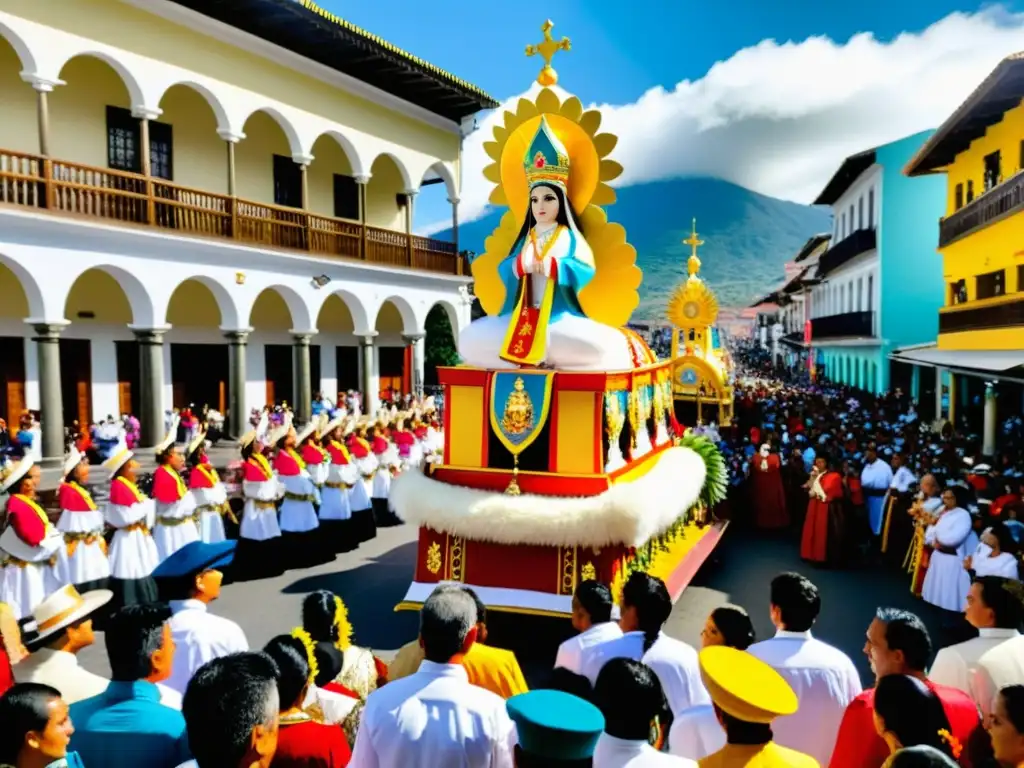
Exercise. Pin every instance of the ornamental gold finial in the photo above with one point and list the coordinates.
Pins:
(546, 49)
(693, 263)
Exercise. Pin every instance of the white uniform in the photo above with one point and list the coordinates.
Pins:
(200, 637)
(60, 670)
(982, 665)
(947, 583)
(570, 653)
(434, 719)
(611, 752)
(825, 682)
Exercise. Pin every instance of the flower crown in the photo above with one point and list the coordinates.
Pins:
(954, 743)
(307, 642)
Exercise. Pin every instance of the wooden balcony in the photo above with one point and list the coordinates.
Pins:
(1005, 312)
(1002, 200)
(853, 245)
(130, 199)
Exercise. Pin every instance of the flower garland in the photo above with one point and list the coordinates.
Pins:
(954, 744)
(307, 642)
(341, 621)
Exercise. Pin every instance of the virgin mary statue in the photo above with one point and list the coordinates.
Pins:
(542, 323)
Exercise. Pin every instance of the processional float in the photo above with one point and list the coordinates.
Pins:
(559, 462)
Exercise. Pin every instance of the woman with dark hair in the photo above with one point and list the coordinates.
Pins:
(824, 539)
(920, 757)
(996, 555)
(302, 742)
(696, 732)
(88, 567)
(35, 729)
(259, 536)
(542, 321)
(645, 607)
(1006, 726)
(325, 619)
(909, 714)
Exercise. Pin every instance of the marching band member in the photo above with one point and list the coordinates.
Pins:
(299, 523)
(335, 510)
(32, 550)
(318, 463)
(387, 460)
(366, 465)
(409, 449)
(208, 492)
(133, 552)
(259, 536)
(175, 506)
(82, 525)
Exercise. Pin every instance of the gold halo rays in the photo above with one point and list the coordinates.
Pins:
(693, 305)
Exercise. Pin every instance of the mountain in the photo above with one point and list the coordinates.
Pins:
(748, 237)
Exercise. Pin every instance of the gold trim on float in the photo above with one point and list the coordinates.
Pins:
(408, 605)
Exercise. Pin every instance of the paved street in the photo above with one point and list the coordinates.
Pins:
(374, 578)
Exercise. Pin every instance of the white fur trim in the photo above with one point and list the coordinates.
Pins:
(628, 513)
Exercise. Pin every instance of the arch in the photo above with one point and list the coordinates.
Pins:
(29, 286)
(219, 112)
(292, 135)
(297, 309)
(355, 158)
(28, 59)
(140, 302)
(403, 171)
(230, 316)
(136, 97)
(451, 312)
(410, 324)
(356, 309)
(441, 169)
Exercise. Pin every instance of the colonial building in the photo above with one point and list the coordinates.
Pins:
(877, 288)
(795, 300)
(211, 201)
(978, 351)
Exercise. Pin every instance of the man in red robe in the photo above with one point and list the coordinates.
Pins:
(897, 644)
(823, 540)
(768, 492)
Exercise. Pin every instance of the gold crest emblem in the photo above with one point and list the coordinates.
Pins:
(518, 416)
(434, 558)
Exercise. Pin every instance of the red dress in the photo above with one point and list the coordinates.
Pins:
(308, 744)
(168, 487)
(858, 745)
(768, 493)
(822, 539)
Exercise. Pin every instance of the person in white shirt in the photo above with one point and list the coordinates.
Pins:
(646, 606)
(823, 677)
(631, 699)
(875, 480)
(436, 718)
(190, 580)
(946, 582)
(592, 618)
(995, 658)
(232, 712)
(995, 554)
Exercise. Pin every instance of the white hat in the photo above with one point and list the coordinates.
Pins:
(197, 441)
(118, 458)
(13, 471)
(350, 426)
(64, 607)
(168, 440)
(275, 434)
(72, 460)
(333, 424)
(306, 431)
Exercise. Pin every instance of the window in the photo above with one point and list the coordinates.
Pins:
(1020, 278)
(991, 284)
(970, 190)
(860, 213)
(958, 197)
(124, 143)
(849, 297)
(860, 293)
(958, 292)
(871, 208)
(287, 182)
(871, 292)
(992, 170)
(346, 197)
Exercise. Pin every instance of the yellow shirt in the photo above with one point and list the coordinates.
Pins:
(495, 669)
(769, 755)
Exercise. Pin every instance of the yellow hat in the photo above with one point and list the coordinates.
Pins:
(745, 687)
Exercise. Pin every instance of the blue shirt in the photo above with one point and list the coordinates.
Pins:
(126, 725)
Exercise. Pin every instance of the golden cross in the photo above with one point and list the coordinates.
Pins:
(547, 49)
(694, 242)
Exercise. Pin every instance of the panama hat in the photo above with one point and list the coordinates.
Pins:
(121, 456)
(14, 471)
(168, 440)
(64, 607)
(307, 431)
(280, 431)
(73, 458)
(333, 424)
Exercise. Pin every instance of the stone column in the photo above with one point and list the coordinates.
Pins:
(303, 385)
(416, 342)
(151, 384)
(230, 140)
(43, 88)
(369, 364)
(51, 405)
(459, 268)
(988, 439)
(238, 421)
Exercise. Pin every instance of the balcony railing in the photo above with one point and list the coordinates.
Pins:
(1003, 199)
(848, 324)
(118, 197)
(1005, 315)
(854, 244)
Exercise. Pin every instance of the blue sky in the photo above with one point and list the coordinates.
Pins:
(619, 55)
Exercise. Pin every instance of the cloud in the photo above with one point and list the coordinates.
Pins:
(779, 118)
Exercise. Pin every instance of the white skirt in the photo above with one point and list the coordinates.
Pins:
(946, 583)
(133, 555)
(298, 516)
(170, 538)
(88, 562)
(211, 526)
(259, 523)
(334, 504)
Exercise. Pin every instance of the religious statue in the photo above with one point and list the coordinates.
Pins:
(518, 416)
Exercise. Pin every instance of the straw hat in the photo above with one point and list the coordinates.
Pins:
(349, 426)
(197, 442)
(306, 432)
(73, 458)
(14, 471)
(168, 440)
(333, 424)
(64, 607)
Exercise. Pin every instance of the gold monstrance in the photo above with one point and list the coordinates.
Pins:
(693, 263)
(547, 49)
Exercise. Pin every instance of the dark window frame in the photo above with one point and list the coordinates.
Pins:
(346, 197)
(121, 124)
(287, 182)
(958, 196)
